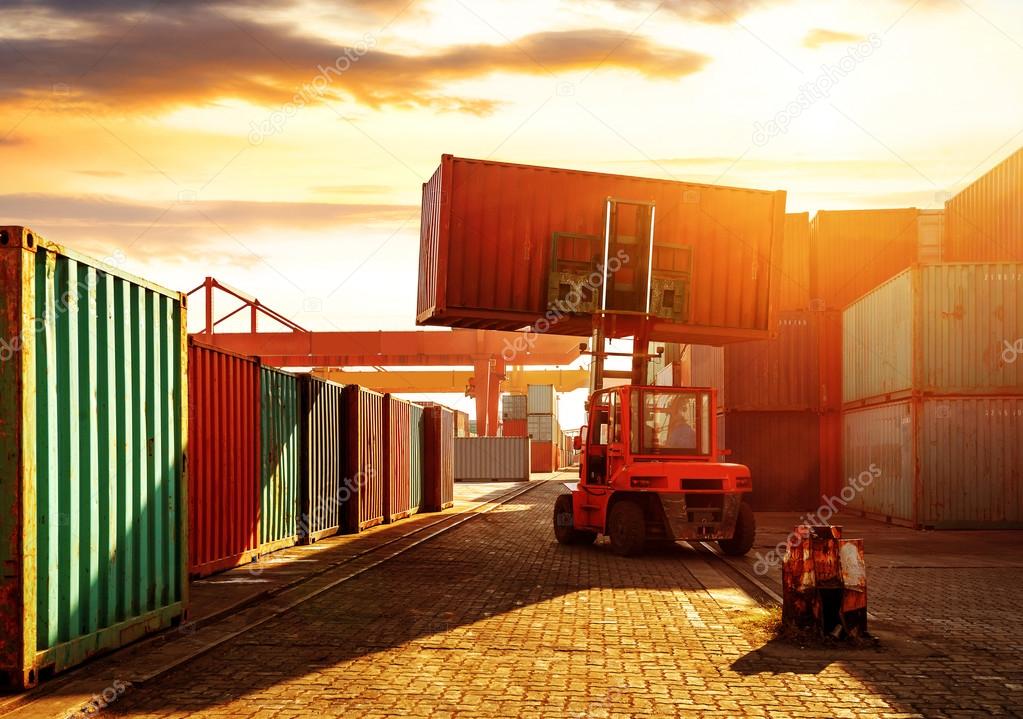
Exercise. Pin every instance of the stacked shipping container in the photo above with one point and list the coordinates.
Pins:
(491, 459)
(93, 424)
(933, 399)
(542, 425)
(514, 415)
(984, 222)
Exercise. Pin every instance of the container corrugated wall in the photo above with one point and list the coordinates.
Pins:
(279, 472)
(321, 458)
(462, 428)
(438, 458)
(487, 228)
(882, 438)
(397, 456)
(416, 463)
(492, 459)
(947, 463)
(708, 369)
(853, 251)
(984, 222)
(93, 504)
(543, 456)
(515, 428)
(541, 427)
(936, 329)
(364, 458)
(514, 406)
(782, 480)
(799, 370)
(541, 399)
(794, 282)
(223, 439)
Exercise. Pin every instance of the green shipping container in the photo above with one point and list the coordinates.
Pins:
(278, 519)
(93, 520)
(416, 456)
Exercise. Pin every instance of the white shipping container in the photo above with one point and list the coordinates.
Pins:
(541, 427)
(542, 399)
(936, 329)
(491, 459)
(953, 463)
(513, 406)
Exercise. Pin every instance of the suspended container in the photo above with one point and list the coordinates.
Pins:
(93, 420)
(503, 246)
(321, 458)
(492, 459)
(400, 453)
(949, 329)
(279, 475)
(984, 222)
(224, 449)
(438, 458)
(364, 459)
(946, 463)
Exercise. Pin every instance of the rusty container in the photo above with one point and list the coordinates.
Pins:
(224, 441)
(93, 426)
(799, 370)
(438, 458)
(501, 242)
(462, 424)
(941, 462)
(363, 504)
(853, 251)
(794, 282)
(398, 458)
(279, 449)
(984, 222)
(945, 329)
(492, 459)
(321, 458)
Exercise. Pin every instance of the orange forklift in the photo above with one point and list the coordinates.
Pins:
(650, 469)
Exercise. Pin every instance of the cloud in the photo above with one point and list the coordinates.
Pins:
(198, 54)
(721, 12)
(819, 37)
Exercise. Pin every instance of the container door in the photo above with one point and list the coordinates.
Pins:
(628, 248)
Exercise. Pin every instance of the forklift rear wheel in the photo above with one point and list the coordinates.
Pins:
(627, 526)
(564, 524)
(745, 532)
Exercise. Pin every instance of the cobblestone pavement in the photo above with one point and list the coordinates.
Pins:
(494, 619)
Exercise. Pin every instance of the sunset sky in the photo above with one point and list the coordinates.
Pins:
(187, 138)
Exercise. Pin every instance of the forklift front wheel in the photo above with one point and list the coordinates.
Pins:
(627, 526)
(745, 532)
(564, 524)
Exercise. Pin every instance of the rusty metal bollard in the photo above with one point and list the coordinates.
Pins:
(824, 582)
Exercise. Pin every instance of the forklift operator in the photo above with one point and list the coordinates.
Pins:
(681, 434)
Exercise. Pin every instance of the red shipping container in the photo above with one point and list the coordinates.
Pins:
(543, 457)
(364, 458)
(801, 369)
(794, 283)
(854, 251)
(489, 229)
(223, 459)
(438, 458)
(397, 458)
(515, 428)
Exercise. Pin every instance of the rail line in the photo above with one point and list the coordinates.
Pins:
(179, 646)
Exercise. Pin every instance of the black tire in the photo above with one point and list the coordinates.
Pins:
(745, 533)
(564, 524)
(627, 527)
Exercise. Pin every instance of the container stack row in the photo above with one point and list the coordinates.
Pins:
(133, 458)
